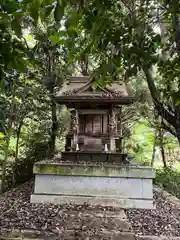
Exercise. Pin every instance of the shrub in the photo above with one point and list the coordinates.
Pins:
(22, 170)
(169, 179)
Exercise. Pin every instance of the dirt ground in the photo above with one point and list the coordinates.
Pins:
(16, 212)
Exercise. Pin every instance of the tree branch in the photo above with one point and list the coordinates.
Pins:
(168, 129)
(158, 105)
(176, 24)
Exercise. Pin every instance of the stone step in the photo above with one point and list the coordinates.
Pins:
(109, 223)
(106, 235)
(120, 214)
(96, 224)
(70, 235)
(12, 238)
(156, 238)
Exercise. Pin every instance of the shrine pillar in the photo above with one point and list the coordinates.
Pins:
(119, 130)
(75, 128)
(112, 128)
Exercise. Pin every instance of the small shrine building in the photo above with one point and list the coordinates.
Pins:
(95, 117)
(93, 169)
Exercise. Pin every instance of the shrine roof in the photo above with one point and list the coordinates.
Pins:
(81, 89)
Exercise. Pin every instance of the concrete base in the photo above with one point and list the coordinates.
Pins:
(107, 185)
(102, 201)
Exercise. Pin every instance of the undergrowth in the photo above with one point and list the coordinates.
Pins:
(169, 179)
(22, 170)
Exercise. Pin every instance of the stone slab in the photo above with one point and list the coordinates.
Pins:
(115, 235)
(94, 186)
(129, 171)
(111, 214)
(156, 238)
(104, 234)
(102, 201)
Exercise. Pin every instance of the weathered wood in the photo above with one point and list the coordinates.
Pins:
(75, 128)
(113, 121)
(69, 100)
(95, 113)
(92, 111)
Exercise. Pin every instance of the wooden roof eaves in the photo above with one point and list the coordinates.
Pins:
(87, 85)
(80, 99)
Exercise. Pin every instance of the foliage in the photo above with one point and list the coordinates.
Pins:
(27, 97)
(140, 144)
(169, 179)
(105, 39)
(22, 170)
(122, 39)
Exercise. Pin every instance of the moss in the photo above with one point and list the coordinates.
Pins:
(51, 169)
(57, 169)
(74, 170)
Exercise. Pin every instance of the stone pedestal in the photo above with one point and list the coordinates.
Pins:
(107, 185)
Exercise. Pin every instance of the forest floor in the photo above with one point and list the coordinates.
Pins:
(16, 212)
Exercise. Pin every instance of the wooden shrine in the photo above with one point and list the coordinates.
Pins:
(95, 131)
(93, 169)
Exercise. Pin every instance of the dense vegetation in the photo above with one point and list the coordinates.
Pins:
(44, 41)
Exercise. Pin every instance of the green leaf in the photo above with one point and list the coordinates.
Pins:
(10, 6)
(101, 81)
(176, 97)
(59, 11)
(18, 100)
(95, 84)
(34, 10)
(54, 39)
(47, 2)
(18, 64)
(4, 16)
(15, 24)
(2, 136)
(47, 11)
(72, 32)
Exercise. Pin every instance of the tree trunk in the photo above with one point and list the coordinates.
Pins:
(54, 129)
(163, 112)
(177, 115)
(176, 23)
(84, 64)
(17, 140)
(154, 147)
(161, 138)
(164, 39)
(8, 137)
